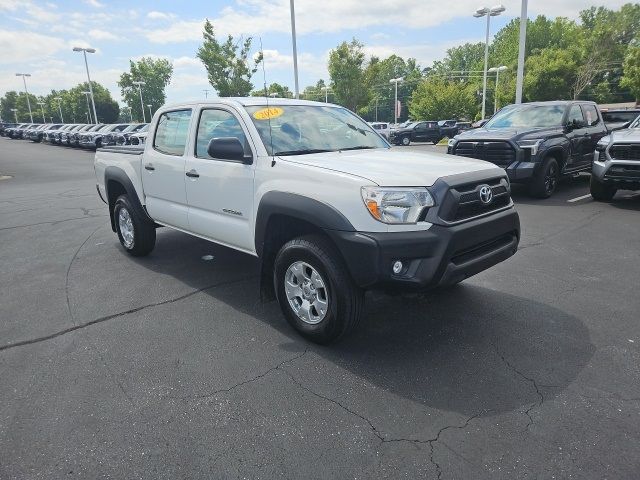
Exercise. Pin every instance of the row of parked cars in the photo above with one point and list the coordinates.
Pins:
(81, 135)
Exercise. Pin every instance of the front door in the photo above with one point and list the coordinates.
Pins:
(220, 192)
(163, 173)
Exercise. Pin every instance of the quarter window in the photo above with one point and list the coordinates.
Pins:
(171, 132)
(218, 124)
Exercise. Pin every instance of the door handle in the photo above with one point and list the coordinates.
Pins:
(192, 174)
(149, 166)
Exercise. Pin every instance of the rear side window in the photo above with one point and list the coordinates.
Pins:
(218, 124)
(172, 131)
(591, 114)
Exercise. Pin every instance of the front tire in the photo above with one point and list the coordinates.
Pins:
(137, 234)
(600, 191)
(405, 141)
(315, 290)
(545, 180)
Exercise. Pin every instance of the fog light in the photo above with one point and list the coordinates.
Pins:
(397, 267)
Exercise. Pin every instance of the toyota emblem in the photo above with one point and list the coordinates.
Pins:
(486, 194)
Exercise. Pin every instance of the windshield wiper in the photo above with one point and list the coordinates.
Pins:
(302, 152)
(359, 147)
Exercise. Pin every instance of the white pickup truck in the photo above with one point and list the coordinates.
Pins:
(318, 195)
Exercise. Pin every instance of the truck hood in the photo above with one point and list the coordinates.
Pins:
(626, 135)
(507, 133)
(395, 167)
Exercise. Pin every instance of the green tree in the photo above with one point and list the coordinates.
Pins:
(316, 92)
(631, 77)
(437, 99)
(275, 89)
(550, 75)
(346, 69)
(227, 63)
(156, 74)
(9, 101)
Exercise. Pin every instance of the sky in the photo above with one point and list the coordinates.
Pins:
(37, 37)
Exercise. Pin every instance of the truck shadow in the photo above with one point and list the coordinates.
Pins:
(468, 349)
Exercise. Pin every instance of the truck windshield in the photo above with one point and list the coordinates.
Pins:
(302, 129)
(530, 116)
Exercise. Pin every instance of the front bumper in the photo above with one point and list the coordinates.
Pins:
(623, 174)
(440, 256)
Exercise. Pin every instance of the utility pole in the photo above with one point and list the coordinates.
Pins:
(86, 64)
(295, 49)
(140, 84)
(521, 48)
(24, 75)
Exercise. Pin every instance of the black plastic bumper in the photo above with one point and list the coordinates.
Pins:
(440, 256)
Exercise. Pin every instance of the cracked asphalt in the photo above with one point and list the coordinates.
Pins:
(170, 367)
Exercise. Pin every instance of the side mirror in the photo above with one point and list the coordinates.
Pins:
(228, 148)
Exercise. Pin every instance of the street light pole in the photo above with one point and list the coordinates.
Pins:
(488, 12)
(295, 49)
(395, 105)
(24, 75)
(139, 84)
(86, 64)
(42, 108)
(15, 113)
(88, 108)
(497, 71)
(150, 114)
(521, 46)
(59, 99)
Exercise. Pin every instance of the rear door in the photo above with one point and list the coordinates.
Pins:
(219, 191)
(578, 138)
(163, 169)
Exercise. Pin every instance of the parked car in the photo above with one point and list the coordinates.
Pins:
(329, 216)
(139, 137)
(383, 128)
(56, 137)
(536, 143)
(122, 137)
(32, 133)
(45, 133)
(462, 126)
(616, 164)
(416, 132)
(4, 126)
(93, 139)
(448, 128)
(75, 136)
(70, 137)
(619, 118)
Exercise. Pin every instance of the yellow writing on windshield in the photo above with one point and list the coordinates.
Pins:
(267, 113)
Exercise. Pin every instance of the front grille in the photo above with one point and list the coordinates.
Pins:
(623, 172)
(499, 153)
(463, 201)
(625, 151)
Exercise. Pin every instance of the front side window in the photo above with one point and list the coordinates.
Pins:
(172, 131)
(218, 124)
(591, 115)
(575, 115)
(302, 129)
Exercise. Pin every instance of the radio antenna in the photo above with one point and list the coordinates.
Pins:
(266, 97)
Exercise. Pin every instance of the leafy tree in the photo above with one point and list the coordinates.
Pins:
(227, 63)
(347, 74)
(550, 75)
(437, 99)
(316, 92)
(156, 73)
(631, 78)
(281, 91)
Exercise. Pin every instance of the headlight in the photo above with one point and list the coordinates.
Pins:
(532, 144)
(396, 205)
(451, 142)
(601, 146)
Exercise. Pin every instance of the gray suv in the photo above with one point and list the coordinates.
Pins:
(616, 164)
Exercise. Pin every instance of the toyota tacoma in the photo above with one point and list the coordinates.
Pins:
(329, 208)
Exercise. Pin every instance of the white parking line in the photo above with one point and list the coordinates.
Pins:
(577, 199)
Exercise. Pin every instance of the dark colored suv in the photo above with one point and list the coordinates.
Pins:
(537, 142)
(416, 132)
(619, 118)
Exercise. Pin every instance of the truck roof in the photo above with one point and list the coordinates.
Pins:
(250, 101)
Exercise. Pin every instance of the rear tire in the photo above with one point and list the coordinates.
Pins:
(601, 192)
(545, 180)
(315, 290)
(405, 141)
(137, 234)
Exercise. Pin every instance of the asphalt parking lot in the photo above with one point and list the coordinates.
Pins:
(170, 367)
